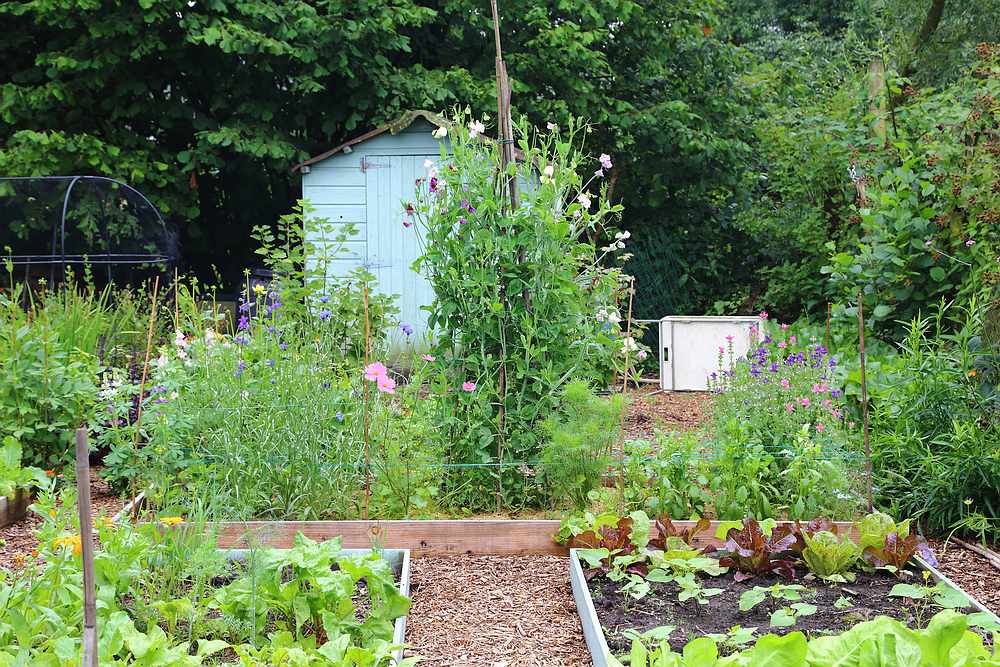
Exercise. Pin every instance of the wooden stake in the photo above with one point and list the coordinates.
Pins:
(368, 486)
(87, 549)
(142, 382)
(621, 445)
(864, 401)
(876, 96)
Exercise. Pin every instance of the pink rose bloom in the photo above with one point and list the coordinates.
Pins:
(374, 371)
(785, 384)
(789, 407)
(820, 428)
(386, 384)
(469, 386)
(428, 357)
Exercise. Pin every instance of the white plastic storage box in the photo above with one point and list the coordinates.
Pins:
(689, 348)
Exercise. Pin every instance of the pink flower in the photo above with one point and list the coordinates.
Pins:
(375, 371)
(782, 345)
(763, 315)
(469, 386)
(804, 402)
(605, 160)
(827, 403)
(428, 357)
(729, 339)
(850, 424)
(836, 414)
(386, 384)
(784, 327)
(970, 243)
(753, 327)
(789, 407)
(820, 428)
(722, 350)
(792, 340)
(785, 384)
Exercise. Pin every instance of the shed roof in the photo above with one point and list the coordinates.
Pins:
(393, 127)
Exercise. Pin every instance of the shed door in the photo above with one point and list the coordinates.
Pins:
(392, 248)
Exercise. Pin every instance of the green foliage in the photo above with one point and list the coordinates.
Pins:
(577, 446)
(935, 427)
(12, 475)
(521, 299)
(882, 642)
(827, 556)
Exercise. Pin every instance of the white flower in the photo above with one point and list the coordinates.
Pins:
(179, 339)
(584, 199)
(605, 161)
(181, 354)
(161, 361)
(621, 245)
(440, 133)
(173, 395)
(210, 336)
(549, 170)
(428, 164)
(628, 345)
(602, 315)
(599, 173)
(476, 128)
(614, 317)
(551, 126)
(641, 355)
(622, 235)
(607, 248)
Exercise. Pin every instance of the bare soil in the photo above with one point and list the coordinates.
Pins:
(869, 597)
(650, 410)
(494, 611)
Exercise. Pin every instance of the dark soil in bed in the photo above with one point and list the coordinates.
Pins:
(869, 596)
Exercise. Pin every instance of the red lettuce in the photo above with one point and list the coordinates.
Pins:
(751, 552)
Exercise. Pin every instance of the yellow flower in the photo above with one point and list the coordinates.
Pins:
(171, 520)
(69, 541)
(52, 513)
(259, 289)
(19, 559)
(104, 522)
(972, 373)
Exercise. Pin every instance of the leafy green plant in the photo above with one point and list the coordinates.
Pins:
(12, 475)
(577, 444)
(885, 543)
(758, 594)
(829, 557)
(751, 552)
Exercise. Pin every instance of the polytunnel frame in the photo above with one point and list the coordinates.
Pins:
(59, 232)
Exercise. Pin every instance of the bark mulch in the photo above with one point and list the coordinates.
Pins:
(18, 539)
(666, 411)
(494, 611)
(971, 572)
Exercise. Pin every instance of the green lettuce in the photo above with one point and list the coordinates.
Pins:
(826, 555)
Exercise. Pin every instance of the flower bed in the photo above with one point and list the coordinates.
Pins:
(638, 594)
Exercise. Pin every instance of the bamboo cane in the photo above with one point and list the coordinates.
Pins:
(87, 549)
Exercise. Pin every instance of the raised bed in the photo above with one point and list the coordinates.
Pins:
(399, 559)
(597, 641)
(15, 507)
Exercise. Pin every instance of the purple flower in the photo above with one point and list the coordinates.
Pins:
(270, 328)
(270, 362)
(324, 299)
(406, 329)
(244, 323)
(273, 306)
(774, 367)
(434, 184)
(242, 366)
(339, 416)
(283, 346)
(835, 393)
(462, 220)
(244, 306)
(241, 340)
(324, 315)
(970, 243)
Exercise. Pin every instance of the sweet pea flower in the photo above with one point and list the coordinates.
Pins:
(820, 428)
(468, 387)
(763, 315)
(641, 355)
(784, 327)
(584, 199)
(428, 357)
(970, 243)
(789, 407)
(551, 127)
(549, 171)
(729, 339)
(386, 384)
(440, 133)
(782, 345)
(785, 384)
(605, 161)
(476, 128)
(792, 340)
(722, 350)
(804, 402)
(375, 371)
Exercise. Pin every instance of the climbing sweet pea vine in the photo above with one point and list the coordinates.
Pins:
(524, 299)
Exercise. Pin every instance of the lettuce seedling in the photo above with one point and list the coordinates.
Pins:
(897, 551)
(751, 552)
(600, 549)
(829, 557)
(666, 529)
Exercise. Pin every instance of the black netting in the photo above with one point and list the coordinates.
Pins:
(49, 224)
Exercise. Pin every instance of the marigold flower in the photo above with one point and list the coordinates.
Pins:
(171, 520)
(972, 373)
(71, 542)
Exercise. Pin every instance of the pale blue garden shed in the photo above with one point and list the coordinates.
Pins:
(365, 181)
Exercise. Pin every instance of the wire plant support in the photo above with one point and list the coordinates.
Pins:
(64, 221)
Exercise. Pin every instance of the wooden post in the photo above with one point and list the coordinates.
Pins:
(505, 128)
(368, 485)
(621, 445)
(142, 381)
(876, 95)
(87, 549)
(864, 401)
